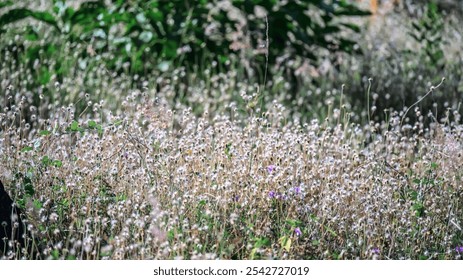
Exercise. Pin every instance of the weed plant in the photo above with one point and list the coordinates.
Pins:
(153, 183)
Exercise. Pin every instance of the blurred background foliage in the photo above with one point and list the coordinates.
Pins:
(190, 32)
(296, 52)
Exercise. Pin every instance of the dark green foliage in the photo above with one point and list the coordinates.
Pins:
(154, 34)
(22, 13)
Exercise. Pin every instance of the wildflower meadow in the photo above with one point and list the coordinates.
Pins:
(223, 130)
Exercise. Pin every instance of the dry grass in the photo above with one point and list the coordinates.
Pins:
(155, 183)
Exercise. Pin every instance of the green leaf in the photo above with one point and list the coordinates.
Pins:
(119, 122)
(347, 9)
(91, 124)
(352, 26)
(26, 149)
(22, 13)
(87, 14)
(293, 223)
(45, 17)
(100, 130)
(227, 150)
(44, 76)
(418, 207)
(155, 15)
(31, 34)
(170, 235)
(261, 242)
(437, 56)
(169, 50)
(331, 231)
(121, 197)
(253, 254)
(432, 8)
(55, 254)
(37, 204)
(413, 195)
(28, 187)
(57, 163)
(46, 160)
(44, 132)
(74, 126)
(223, 58)
(285, 242)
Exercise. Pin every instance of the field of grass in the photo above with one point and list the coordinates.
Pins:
(209, 166)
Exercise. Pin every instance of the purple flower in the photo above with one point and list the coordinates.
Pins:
(236, 198)
(298, 231)
(459, 249)
(297, 190)
(271, 168)
(375, 251)
(271, 194)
